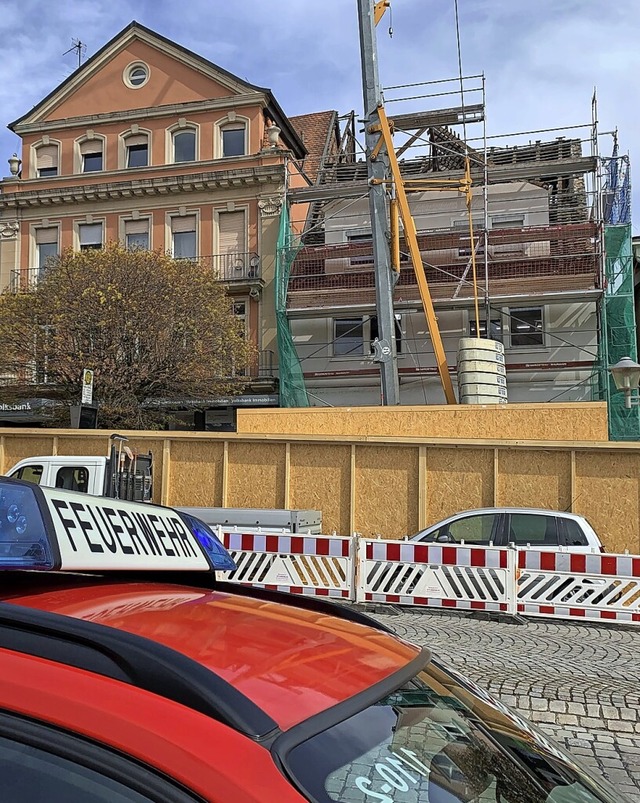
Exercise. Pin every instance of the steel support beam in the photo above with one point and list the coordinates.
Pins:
(385, 349)
(414, 250)
(497, 174)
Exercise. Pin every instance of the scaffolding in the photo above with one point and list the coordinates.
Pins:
(549, 247)
(617, 314)
(291, 388)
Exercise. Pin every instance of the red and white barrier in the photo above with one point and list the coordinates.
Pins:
(579, 586)
(318, 565)
(456, 576)
(529, 582)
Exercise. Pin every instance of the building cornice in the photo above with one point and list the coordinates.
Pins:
(160, 185)
(170, 110)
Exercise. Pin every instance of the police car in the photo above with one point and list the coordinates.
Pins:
(130, 672)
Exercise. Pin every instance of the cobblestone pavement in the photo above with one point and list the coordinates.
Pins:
(578, 682)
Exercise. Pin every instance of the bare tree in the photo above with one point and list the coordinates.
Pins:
(150, 326)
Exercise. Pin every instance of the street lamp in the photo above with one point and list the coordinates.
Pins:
(626, 375)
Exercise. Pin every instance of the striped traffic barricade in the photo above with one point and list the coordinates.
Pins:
(579, 586)
(316, 565)
(414, 573)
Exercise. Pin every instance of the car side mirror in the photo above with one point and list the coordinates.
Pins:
(444, 538)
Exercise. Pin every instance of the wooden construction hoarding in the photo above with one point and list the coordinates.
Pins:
(390, 486)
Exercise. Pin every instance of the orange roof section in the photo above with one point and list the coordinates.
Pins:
(320, 135)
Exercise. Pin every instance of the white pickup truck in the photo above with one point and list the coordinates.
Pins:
(121, 475)
(125, 475)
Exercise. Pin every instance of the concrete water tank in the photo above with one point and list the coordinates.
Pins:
(482, 377)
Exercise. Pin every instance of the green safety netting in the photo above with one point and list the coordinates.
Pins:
(618, 325)
(617, 312)
(292, 390)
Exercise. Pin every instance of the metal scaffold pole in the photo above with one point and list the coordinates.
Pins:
(385, 349)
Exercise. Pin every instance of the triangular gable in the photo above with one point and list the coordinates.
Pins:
(177, 75)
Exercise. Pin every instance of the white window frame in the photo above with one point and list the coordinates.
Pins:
(355, 236)
(180, 127)
(122, 234)
(500, 315)
(515, 221)
(76, 231)
(461, 226)
(126, 74)
(123, 150)
(169, 229)
(33, 157)
(354, 355)
(34, 260)
(78, 159)
(230, 121)
(216, 225)
(505, 221)
(511, 323)
(504, 314)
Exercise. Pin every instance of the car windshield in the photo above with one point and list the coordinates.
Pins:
(433, 741)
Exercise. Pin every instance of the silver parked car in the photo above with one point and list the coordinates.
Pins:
(524, 527)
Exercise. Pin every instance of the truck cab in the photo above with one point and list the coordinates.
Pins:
(73, 473)
(121, 475)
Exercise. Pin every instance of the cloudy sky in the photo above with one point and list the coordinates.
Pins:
(541, 59)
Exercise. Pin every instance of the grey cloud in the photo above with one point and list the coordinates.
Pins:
(541, 59)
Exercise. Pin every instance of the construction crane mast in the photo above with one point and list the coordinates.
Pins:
(385, 180)
(377, 170)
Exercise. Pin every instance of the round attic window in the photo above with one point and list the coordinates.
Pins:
(136, 75)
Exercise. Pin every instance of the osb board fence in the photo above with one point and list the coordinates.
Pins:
(576, 421)
(372, 485)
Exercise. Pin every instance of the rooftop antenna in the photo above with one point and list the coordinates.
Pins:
(79, 47)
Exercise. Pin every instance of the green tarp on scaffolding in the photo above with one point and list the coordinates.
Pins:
(292, 390)
(619, 329)
(618, 318)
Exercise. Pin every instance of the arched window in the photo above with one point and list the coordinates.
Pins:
(233, 139)
(91, 155)
(135, 149)
(184, 145)
(46, 161)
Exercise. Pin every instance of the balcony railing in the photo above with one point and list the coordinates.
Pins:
(265, 364)
(21, 281)
(236, 268)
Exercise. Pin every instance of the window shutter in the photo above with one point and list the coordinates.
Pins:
(136, 226)
(91, 234)
(47, 157)
(182, 224)
(231, 232)
(91, 146)
(47, 236)
(136, 139)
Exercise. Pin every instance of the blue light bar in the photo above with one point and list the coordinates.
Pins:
(54, 529)
(214, 550)
(23, 532)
